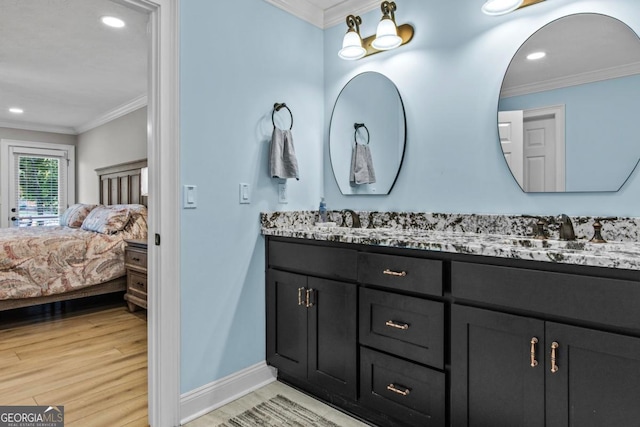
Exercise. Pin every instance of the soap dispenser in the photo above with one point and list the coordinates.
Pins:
(322, 211)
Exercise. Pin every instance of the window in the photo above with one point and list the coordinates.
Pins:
(37, 183)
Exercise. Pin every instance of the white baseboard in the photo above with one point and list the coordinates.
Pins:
(211, 396)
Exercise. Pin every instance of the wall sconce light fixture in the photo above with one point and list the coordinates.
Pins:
(502, 7)
(352, 42)
(388, 35)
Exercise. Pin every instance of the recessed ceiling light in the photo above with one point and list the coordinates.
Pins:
(536, 55)
(16, 110)
(112, 21)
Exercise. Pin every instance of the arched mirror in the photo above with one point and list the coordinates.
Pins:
(569, 106)
(367, 135)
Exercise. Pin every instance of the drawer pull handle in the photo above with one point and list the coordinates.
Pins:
(394, 273)
(140, 284)
(554, 366)
(534, 362)
(393, 388)
(392, 324)
(300, 300)
(136, 259)
(309, 295)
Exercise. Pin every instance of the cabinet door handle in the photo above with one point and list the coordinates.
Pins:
(300, 298)
(554, 366)
(392, 324)
(309, 295)
(534, 362)
(397, 389)
(394, 273)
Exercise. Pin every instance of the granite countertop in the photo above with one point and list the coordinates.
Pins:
(613, 254)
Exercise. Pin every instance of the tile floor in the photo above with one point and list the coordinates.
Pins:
(236, 407)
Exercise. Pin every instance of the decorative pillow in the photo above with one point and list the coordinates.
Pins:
(106, 219)
(75, 215)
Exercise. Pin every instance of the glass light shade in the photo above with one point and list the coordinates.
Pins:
(386, 35)
(500, 7)
(352, 46)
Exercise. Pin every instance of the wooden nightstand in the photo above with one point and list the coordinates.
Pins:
(135, 261)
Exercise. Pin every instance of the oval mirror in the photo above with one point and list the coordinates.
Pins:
(569, 104)
(367, 135)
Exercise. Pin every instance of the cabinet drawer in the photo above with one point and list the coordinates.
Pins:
(605, 301)
(135, 258)
(411, 393)
(317, 260)
(137, 283)
(418, 275)
(406, 326)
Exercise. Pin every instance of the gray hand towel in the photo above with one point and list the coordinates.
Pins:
(362, 171)
(282, 155)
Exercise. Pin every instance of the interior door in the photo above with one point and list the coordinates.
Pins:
(539, 153)
(510, 129)
(597, 382)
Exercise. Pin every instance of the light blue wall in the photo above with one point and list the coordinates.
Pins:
(449, 77)
(602, 139)
(236, 62)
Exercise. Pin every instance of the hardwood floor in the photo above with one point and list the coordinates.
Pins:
(89, 356)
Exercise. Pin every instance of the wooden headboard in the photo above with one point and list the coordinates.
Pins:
(120, 184)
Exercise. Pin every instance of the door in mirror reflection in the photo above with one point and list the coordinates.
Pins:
(367, 135)
(576, 84)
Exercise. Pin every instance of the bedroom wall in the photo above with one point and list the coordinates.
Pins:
(37, 136)
(449, 77)
(118, 141)
(231, 75)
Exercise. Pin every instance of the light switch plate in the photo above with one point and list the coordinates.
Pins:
(282, 193)
(190, 197)
(245, 193)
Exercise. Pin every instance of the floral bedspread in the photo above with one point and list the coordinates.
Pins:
(40, 261)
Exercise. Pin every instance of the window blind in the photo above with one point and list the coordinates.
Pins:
(40, 183)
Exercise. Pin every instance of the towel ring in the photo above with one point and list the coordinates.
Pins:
(277, 107)
(357, 126)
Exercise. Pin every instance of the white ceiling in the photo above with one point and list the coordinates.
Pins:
(65, 68)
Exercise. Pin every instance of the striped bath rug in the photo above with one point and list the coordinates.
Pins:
(276, 412)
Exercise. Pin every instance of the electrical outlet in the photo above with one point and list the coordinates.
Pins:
(282, 193)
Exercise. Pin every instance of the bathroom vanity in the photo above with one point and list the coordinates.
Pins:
(478, 331)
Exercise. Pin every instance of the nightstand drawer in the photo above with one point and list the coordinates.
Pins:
(406, 326)
(137, 283)
(135, 258)
(417, 275)
(401, 389)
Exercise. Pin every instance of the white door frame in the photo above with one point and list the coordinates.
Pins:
(163, 156)
(6, 158)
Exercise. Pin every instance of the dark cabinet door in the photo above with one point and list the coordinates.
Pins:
(597, 382)
(332, 336)
(492, 380)
(287, 322)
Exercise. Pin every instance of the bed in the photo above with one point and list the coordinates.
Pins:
(39, 265)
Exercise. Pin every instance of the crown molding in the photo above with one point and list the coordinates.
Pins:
(134, 104)
(573, 80)
(324, 19)
(38, 127)
(302, 9)
(338, 13)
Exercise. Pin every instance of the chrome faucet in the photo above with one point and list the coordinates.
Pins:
(566, 228)
(355, 219)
